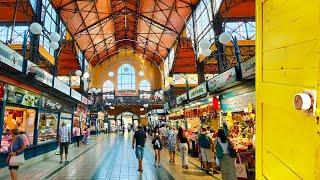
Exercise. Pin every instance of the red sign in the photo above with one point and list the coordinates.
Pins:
(215, 103)
(1, 91)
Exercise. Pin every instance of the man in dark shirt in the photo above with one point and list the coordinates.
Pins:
(139, 139)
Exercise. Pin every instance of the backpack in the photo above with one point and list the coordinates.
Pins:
(204, 141)
(157, 142)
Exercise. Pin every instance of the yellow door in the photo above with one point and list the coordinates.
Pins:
(288, 141)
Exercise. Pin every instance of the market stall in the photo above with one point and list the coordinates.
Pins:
(238, 115)
(49, 116)
(20, 113)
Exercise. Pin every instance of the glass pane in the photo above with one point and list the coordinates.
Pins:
(47, 127)
(126, 77)
(22, 119)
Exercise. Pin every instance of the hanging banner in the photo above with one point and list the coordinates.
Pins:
(248, 68)
(10, 57)
(40, 74)
(222, 80)
(198, 91)
(23, 97)
(182, 98)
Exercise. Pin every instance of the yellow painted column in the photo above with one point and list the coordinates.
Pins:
(287, 51)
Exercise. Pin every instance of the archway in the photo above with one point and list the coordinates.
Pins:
(127, 120)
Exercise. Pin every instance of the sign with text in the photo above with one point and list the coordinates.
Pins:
(198, 91)
(182, 98)
(248, 68)
(127, 93)
(238, 103)
(10, 57)
(84, 100)
(75, 94)
(2, 87)
(222, 80)
(51, 104)
(59, 85)
(23, 97)
(40, 74)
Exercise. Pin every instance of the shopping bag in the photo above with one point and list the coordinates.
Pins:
(241, 170)
(17, 160)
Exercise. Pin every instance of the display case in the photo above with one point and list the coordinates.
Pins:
(47, 127)
(17, 118)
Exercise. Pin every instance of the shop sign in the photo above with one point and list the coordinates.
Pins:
(198, 91)
(51, 104)
(59, 85)
(10, 57)
(1, 91)
(40, 74)
(182, 98)
(23, 97)
(238, 103)
(126, 93)
(84, 100)
(248, 67)
(222, 80)
(75, 94)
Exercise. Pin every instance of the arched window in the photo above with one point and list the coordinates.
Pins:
(144, 85)
(107, 86)
(126, 77)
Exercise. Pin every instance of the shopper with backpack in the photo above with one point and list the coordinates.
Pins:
(207, 154)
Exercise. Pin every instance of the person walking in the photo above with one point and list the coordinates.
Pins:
(163, 134)
(172, 141)
(224, 149)
(183, 145)
(138, 142)
(64, 140)
(76, 133)
(206, 148)
(157, 146)
(16, 149)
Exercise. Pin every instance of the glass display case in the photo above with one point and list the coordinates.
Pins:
(17, 118)
(47, 127)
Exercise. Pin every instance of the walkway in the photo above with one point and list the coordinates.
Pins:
(109, 157)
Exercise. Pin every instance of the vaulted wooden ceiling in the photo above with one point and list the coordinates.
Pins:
(7, 9)
(102, 27)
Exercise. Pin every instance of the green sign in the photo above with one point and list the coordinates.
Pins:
(21, 96)
(198, 91)
(222, 80)
(181, 98)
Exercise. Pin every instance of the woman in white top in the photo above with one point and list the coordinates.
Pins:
(227, 166)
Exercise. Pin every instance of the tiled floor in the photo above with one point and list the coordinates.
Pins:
(110, 157)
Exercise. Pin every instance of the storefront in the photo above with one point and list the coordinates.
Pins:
(100, 121)
(80, 117)
(49, 118)
(20, 112)
(93, 122)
